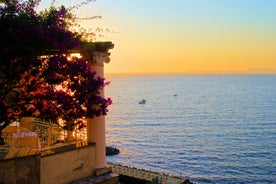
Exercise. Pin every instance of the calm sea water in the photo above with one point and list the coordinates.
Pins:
(207, 128)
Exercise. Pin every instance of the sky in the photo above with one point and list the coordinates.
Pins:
(184, 36)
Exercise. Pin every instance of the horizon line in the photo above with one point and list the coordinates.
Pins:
(186, 73)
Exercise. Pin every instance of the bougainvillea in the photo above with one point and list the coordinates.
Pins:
(38, 76)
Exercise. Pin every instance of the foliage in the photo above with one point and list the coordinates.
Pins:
(37, 75)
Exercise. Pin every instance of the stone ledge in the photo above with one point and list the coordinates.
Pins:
(140, 176)
(106, 170)
(65, 148)
(110, 178)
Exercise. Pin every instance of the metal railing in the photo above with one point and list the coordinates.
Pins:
(18, 137)
(43, 135)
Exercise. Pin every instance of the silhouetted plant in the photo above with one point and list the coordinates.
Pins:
(38, 76)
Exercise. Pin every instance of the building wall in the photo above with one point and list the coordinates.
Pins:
(67, 166)
(59, 166)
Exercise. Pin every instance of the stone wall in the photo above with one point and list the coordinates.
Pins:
(59, 165)
(23, 170)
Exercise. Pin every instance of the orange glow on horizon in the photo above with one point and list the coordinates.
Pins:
(191, 37)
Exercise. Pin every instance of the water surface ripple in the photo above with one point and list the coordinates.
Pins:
(208, 128)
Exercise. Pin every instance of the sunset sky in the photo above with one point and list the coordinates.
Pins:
(185, 36)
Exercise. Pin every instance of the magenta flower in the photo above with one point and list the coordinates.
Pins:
(51, 87)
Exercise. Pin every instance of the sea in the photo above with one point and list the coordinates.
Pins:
(207, 128)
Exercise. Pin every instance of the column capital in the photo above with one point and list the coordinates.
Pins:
(96, 53)
(97, 58)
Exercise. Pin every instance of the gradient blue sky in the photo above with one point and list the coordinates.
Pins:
(185, 36)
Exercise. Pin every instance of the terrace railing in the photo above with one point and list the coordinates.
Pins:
(42, 136)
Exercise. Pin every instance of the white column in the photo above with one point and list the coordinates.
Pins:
(96, 125)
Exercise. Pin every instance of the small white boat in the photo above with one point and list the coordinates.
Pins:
(142, 101)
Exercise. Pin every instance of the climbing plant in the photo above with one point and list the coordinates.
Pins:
(38, 75)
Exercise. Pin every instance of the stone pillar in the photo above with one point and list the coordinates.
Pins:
(96, 125)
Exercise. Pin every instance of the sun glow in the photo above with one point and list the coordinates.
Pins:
(187, 36)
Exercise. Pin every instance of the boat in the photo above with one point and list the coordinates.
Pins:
(142, 101)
